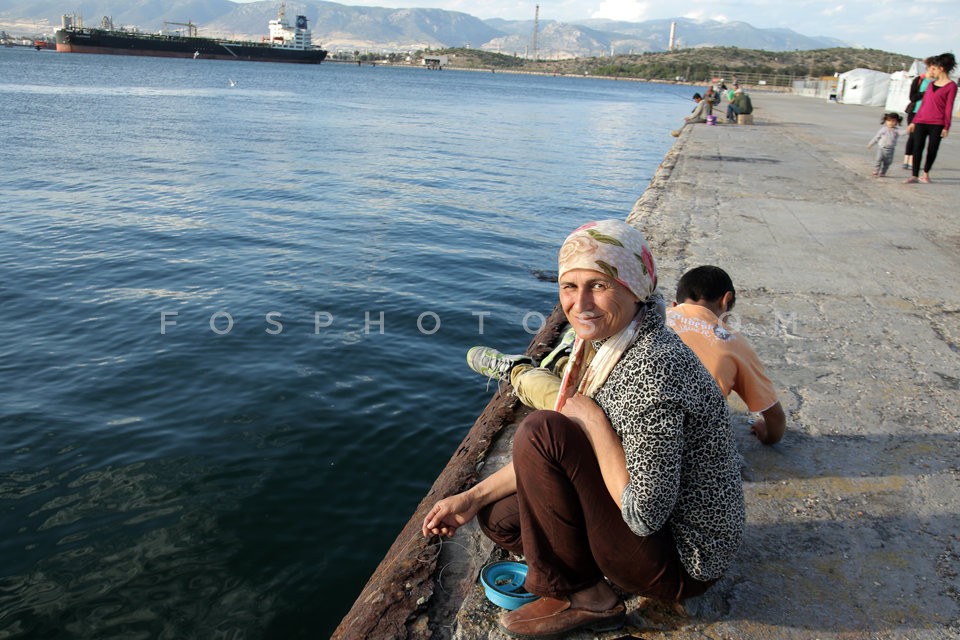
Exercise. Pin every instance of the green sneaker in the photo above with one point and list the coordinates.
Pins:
(562, 348)
(489, 362)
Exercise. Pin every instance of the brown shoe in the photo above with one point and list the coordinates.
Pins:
(548, 617)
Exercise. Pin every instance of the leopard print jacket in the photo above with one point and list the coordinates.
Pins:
(683, 465)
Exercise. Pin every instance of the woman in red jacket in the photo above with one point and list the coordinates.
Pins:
(932, 122)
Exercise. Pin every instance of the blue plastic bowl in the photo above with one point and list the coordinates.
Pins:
(503, 584)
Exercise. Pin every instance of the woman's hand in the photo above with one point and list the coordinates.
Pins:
(605, 442)
(586, 413)
(943, 134)
(450, 514)
(910, 128)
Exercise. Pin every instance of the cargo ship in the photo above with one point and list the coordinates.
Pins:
(285, 43)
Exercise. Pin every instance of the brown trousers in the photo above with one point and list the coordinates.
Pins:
(570, 531)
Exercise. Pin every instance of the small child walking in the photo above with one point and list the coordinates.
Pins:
(886, 141)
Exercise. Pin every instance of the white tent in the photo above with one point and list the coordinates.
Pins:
(898, 94)
(863, 86)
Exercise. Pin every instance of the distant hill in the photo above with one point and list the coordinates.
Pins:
(339, 26)
(608, 37)
(698, 65)
(706, 33)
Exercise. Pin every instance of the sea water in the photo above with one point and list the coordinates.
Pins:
(236, 299)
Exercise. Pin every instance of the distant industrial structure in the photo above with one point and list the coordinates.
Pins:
(536, 31)
(673, 36)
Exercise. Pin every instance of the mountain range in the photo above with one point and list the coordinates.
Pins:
(343, 27)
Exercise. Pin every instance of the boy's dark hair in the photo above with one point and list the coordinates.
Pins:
(697, 95)
(892, 115)
(705, 283)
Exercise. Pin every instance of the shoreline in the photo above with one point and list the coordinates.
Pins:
(680, 83)
(847, 283)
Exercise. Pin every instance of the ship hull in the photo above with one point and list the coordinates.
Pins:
(106, 42)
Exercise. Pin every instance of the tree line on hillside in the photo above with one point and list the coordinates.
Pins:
(695, 65)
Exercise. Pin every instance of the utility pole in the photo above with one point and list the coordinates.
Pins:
(536, 30)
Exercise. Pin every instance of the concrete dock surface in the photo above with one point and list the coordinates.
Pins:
(847, 286)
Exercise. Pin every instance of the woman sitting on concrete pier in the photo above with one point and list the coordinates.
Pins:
(634, 479)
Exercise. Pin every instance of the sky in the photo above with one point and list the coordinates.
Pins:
(919, 28)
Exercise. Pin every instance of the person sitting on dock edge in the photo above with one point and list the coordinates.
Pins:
(634, 478)
(711, 97)
(700, 112)
(705, 295)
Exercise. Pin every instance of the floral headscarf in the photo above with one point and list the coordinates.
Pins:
(619, 250)
(615, 248)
